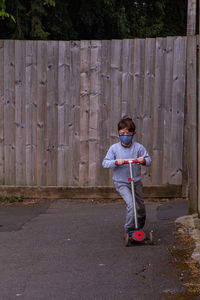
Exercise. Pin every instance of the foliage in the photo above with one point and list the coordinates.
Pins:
(11, 199)
(3, 13)
(93, 19)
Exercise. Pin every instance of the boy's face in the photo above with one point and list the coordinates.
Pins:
(126, 137)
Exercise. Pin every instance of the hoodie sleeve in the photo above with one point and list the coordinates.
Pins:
(143, 152)
(109, 160)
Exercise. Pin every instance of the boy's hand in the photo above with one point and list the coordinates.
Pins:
(141, 160)
(119, 161)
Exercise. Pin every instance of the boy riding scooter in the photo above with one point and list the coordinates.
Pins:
(118, 158)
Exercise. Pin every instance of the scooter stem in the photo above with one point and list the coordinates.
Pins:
(133, 195)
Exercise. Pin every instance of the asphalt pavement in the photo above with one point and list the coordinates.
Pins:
(70, 250)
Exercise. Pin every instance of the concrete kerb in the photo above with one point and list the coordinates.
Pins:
(192, 223)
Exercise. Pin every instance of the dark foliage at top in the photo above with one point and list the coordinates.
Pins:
(93, 19)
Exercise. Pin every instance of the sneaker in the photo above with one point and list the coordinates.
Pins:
(129, 232)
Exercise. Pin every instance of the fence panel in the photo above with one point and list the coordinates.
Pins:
(60, 103)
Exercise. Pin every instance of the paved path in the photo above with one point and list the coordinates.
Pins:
(65, 250)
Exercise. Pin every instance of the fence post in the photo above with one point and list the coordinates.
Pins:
(191, 123)
(192, 120)
(198, 124)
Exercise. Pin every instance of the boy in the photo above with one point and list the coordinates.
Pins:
(127, 148)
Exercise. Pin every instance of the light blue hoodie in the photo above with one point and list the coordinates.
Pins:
(122, 173)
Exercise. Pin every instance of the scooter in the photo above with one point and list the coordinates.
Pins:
(137, 235)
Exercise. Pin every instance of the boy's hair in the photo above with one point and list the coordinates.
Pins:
(126, 122)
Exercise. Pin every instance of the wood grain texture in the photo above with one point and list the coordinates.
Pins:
(41, 113)
(147, 112)
(158, 126)
(9, 112)
(190, 132)
(63, 171)
(167, 109)
(2, 164)
(127, 77)
(95, 88)
(52, 112)
(178, 96)
(84, 111)
(191, 17)
(31, 111)
(20, 111)
(116, 89)
(60, 103)
(105, 110)
(138, 86)
(198, 124)
(74, 121)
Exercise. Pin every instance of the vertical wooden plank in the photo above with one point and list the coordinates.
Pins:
(198, 123)
(190, 133)
(9, 112)
(157, 153)
(31, 114)
(127, 76)
(191, 17)
(52, 112)
(149, 78)
(41, 113)
(95, 85)
(74, 123)
(178, 97)
(105, 106)
(116, 82)
(20, 112)
(138, 86)
(84, 111)
(169, 54)
(1, 112)
(63, 113)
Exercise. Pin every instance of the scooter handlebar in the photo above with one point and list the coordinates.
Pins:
(132, 161)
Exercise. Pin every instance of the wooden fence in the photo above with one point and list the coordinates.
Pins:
(60, 102)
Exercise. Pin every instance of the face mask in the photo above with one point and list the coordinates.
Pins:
(126, 139)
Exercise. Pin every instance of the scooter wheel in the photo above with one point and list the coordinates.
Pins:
(138, 236)
(127, 240)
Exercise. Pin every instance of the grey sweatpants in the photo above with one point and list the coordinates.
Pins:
(124, 189)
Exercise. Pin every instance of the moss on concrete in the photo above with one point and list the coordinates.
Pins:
(189, 268)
